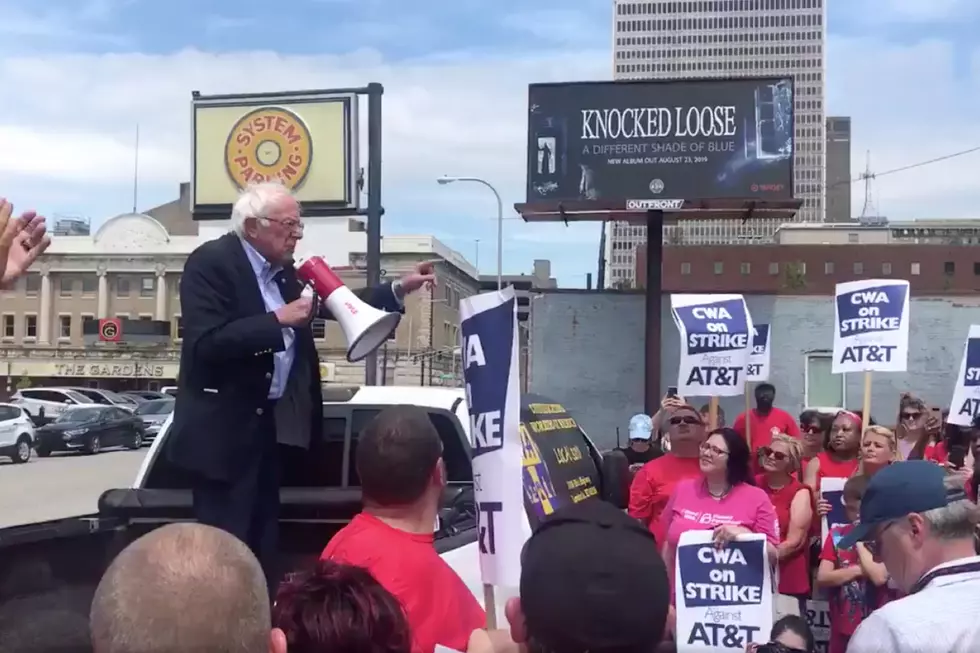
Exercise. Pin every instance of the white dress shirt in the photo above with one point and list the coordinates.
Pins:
(265, 275)
(939, 618)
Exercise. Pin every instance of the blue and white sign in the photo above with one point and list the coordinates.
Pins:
(716, 342)
(490, 368)
(872, 326)
(758, 368)
(724, 596)
(966, 395)
(832, 491)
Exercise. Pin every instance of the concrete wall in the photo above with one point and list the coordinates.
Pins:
(587, 352)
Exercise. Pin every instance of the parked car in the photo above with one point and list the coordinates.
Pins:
(154, 414)
(169, 390)
(45, 404)
(144, 395)
(16, 433)
(108, 398)
(90, 429)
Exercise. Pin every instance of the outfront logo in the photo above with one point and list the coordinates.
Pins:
(267, 144)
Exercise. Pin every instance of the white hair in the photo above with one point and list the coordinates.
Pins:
(956, 521)
(255, 202)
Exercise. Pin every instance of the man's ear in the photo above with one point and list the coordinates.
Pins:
(277, 641)
(439, 474)
(515, 617)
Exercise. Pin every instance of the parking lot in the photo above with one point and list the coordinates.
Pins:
(64, 485)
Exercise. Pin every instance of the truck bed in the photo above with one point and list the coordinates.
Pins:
(49, 571)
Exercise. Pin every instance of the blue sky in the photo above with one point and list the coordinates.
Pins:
(83, 73)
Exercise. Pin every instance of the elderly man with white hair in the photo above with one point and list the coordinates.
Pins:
(249, 383)
(920, 523)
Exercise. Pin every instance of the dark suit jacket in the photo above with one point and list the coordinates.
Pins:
(226, 360)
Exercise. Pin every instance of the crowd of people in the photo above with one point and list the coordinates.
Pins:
(919, 475)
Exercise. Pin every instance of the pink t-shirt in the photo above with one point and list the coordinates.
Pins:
(691, 508)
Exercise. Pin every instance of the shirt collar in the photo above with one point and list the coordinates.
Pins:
(260, 266)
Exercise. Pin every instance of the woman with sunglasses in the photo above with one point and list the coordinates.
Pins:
(840, 458)
(723, 498)
(654, 483)
(913, 436)
(813, 429)
(794, 505)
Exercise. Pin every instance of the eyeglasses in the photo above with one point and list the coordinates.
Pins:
(910, 415)
(713, 450)
(690, 420)
(811, 430)
(295, 226)
(874, 546)
(766, 452)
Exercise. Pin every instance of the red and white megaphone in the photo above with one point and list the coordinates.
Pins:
(366, 328)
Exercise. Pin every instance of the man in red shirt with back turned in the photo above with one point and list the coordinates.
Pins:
(765, 421)
(402, 474)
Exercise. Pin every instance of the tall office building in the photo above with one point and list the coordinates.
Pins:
(839, 170)
(690, 39)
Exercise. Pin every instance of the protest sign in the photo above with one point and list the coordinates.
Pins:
(559, 469)
(490, 370)
(965, 404)
(818, 618)
(832, 491)
(723, 596)
(758, 367)
(715, 333)
(871, 331)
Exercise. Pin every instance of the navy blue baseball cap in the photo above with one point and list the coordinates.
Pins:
(898, 490)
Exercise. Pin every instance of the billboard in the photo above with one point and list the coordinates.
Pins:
(308, 141)
(661, 140)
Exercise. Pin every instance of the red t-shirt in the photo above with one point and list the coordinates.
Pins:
(936, 452)
(848, 603)
(439, 606)
(794, 571)
(765, 426)
(652, 486)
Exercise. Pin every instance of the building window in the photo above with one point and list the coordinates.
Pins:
(773, 269)
(144, 317)
(90, 285)
(33, 284)
(319, 328)
(178, 327)
(886, 268)
(85, 320)
(915, 269)
(8, 326)
(828, 267)
(685, 268)
(852, 238)
(949, 268)
(146, 287)
(859, 268)
(746, 268)
(30, 326)
(976, 269)
(821, 387)
(64, 327)
(719, 267)
(122, 287)
(65, 286)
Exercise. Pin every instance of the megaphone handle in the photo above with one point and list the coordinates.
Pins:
(317, 306)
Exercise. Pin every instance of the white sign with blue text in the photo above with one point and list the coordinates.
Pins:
(723, 596)
(488, 324)
(716, 342)
(871, 330)
(966, 395)
(758, 368)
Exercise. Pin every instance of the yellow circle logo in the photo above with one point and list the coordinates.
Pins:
(268, 144)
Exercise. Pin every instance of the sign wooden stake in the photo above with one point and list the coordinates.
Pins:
(490, 605)
(866, 407)
(713, 413)
(748, 414)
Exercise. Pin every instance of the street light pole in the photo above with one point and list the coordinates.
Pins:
(500, 221)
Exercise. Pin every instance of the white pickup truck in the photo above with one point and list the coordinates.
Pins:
(320, 493)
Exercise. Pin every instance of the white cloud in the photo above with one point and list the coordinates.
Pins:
(457, 114)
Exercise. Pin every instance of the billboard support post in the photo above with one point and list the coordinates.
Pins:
(374, 210)
(654, 309)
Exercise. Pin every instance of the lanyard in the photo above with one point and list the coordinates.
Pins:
(953, 570)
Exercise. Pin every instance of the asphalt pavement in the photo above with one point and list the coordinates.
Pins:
(64, 485)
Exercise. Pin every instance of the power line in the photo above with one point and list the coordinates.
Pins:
(911, 166)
